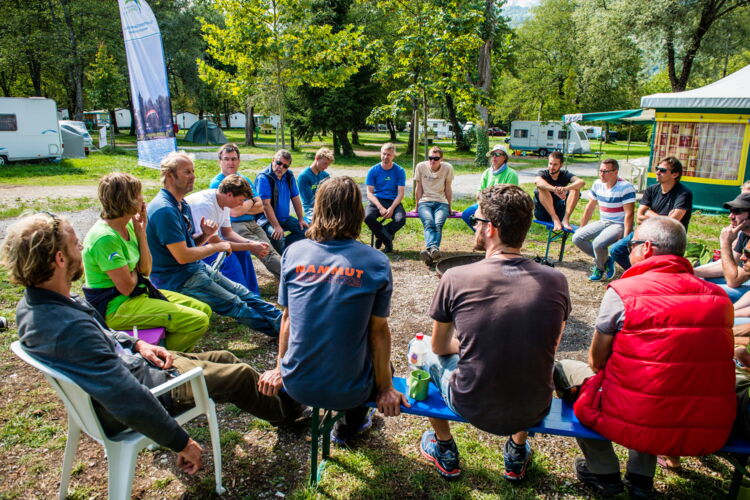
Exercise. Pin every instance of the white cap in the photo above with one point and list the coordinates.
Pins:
(498, 147)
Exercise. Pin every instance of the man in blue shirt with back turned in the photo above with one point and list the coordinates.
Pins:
(311, 178)
(335, 344)
(385, 190)
(277, 188)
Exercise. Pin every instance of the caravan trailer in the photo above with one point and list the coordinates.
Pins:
(544, 137)
(29, 129)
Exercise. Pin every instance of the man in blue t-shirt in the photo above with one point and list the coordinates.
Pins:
(335, 344)
(311, 178)
(386, 182)
(176, 256)
(243, 218)
(277, 188)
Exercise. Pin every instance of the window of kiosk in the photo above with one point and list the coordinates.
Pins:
(706, 150)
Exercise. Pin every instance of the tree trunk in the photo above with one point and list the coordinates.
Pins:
(458, 133)
(355, 137)
(291, 138)
(346, 146)
(249, 123)
(410, 144)
(75, 65)
(113, 121)
(392, 129)
(336, 145)
(35, 73)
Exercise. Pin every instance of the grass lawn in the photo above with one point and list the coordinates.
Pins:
(258, 460)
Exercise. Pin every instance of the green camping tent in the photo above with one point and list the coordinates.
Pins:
(205, 132)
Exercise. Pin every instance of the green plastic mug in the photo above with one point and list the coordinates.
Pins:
(418, 384)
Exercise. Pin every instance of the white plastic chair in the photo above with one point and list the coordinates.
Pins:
(121, 450)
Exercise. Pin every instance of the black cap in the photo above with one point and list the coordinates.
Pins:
(742, 201)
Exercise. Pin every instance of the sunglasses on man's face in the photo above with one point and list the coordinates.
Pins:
(662, 170)
(434, 158)
(634, 243)
(498, 154)
(474, 220)
(738, 211)
(282, 164)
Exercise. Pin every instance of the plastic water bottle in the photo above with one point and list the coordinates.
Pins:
(417, 350)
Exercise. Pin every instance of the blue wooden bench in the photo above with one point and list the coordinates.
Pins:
(560, 421)
(553, 236)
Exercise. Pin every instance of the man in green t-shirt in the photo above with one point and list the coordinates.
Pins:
(498, 173)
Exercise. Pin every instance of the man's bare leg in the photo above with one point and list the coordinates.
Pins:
(545, 198)
(442, 429)
(570, 205)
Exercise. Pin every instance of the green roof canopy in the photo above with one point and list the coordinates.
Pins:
(635, 116)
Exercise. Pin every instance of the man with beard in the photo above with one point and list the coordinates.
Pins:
(177, 256)
(42, 253)
(508, 313)
(557, 193)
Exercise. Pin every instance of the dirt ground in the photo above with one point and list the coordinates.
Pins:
(262, 462)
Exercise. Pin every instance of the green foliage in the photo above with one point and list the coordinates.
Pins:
(483, 146)
(106, 82)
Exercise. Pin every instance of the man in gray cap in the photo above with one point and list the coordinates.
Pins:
(729, 272)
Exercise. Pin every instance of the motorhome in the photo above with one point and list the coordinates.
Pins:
(440, 127)
(29, 129)
(544, 137)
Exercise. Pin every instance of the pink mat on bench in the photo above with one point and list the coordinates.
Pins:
(151, 335)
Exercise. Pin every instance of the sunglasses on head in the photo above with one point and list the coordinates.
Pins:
(434, 158)
(737, 211)
(282, 164)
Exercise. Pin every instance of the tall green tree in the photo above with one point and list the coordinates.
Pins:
(107, 85)
(267, 42)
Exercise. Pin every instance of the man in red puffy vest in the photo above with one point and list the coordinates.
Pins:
(660, 377)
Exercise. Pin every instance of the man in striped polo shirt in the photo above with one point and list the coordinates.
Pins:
(616, 200)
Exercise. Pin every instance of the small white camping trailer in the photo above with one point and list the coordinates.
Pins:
(29, 129)
(186, 119)
(237, 120)
(123, 118)
(544, 137)
(442, 128)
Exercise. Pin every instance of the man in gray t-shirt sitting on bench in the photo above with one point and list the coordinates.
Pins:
(508, 313)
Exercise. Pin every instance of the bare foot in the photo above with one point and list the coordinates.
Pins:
(556, 226)
(567, 225)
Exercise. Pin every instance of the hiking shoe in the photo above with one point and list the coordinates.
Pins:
(339, 440)
(378, 243)
(435, 254)
(445, 459)
(516, 461)
(596, 274)
(426, 257)
(640, 487)
(606, 485)
(610, 268)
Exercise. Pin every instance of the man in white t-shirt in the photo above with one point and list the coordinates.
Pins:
(215, 205)
(616, 200)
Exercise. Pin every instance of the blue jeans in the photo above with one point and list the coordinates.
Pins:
(433, 215)
(291, 224)
(232, 299)
(441, 370)
(619, 251)
(734, 293)
(467, 213)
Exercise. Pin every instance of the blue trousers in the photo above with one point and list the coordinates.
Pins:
(291, 224)
(734, 293)
(467, 213)
(433, 215)
(619, 251)
(232, 299)
(238, 267)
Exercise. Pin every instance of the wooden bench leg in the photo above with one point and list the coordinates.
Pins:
(321, 429)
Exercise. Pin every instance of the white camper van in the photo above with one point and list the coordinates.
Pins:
(29, 129)
(544, 137)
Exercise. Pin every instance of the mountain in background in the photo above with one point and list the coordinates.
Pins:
(518, 11)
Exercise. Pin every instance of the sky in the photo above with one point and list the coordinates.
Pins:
(522, 3)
